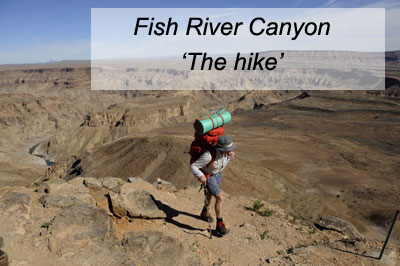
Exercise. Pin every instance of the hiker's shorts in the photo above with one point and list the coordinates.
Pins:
(213, 184)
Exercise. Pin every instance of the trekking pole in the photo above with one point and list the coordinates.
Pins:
(205, 201)
(389, 234)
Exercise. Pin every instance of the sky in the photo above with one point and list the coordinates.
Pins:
(47, 30)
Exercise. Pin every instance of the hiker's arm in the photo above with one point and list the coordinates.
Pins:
(195, 167)
(232, 154)
(203, 179)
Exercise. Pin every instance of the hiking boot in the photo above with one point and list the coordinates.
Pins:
(221, 228)
(205, 216)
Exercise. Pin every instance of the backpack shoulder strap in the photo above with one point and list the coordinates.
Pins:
(213, 153)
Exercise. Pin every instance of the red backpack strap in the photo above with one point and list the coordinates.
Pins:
(213, 153)
(207, 175)
(223, 122)
(212, 121)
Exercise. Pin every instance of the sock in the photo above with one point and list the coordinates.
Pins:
(219, 220)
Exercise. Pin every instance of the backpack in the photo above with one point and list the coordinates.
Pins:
(202, 143)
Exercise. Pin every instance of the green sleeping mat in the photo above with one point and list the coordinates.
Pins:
(206, 123)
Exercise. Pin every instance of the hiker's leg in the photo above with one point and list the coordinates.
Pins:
(207, 200)
(218, 205)
(221, 228)
(213, 187)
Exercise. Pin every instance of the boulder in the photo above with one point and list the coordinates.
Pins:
(62, 190)
(58, 201)
(164, 185)
(339, 225)
(78, 224)
(83, 235)
(92, 183)
(54, 185)
(135, 179)
(134, 203)
(112, 183)
(14, 214)
(99, 253)
(118, 206)
(12, 198)
(76, 181)
(155, 248)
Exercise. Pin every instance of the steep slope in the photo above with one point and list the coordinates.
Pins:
(150, 157)
(117, 121)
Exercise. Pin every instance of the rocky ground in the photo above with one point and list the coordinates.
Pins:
(108, 221)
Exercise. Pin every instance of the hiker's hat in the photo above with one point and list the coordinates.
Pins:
(225, 144)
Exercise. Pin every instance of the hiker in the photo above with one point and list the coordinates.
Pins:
(210, 175)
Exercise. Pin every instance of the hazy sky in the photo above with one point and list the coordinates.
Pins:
(44, 30)
(350, 29)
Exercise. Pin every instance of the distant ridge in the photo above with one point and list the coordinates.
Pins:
(390, 56)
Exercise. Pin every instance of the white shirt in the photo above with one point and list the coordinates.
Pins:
(221, 160)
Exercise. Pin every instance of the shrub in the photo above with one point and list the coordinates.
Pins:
(257, 205)
(46, 225)
(263, 235)
(267, 212)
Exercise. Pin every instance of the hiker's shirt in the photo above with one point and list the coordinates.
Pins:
(202, 165)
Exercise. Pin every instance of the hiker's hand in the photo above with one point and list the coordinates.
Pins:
(232, 154)
(203, 180)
